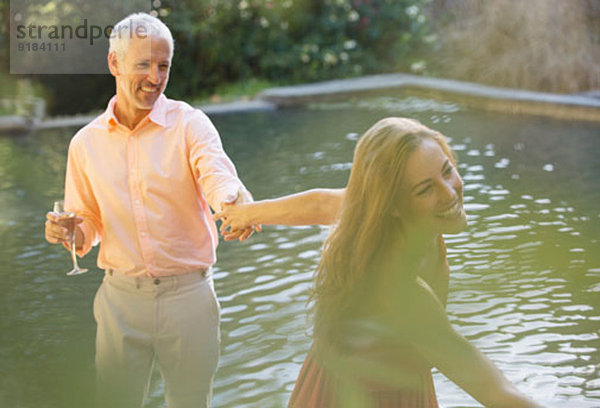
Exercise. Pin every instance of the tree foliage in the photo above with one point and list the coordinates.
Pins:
(290, 40)
(281, 41)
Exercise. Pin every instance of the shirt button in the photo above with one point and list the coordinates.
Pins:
(137, 202)
(143, 234)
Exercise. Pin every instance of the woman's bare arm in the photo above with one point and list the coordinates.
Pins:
(311, 207)
(456, 357)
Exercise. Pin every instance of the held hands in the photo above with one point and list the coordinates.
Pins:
(235, 220)
(57, 230)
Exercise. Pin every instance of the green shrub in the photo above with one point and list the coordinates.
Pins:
(279, 41)
(290, 40)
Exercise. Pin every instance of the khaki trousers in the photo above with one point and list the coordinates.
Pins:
(173, 320)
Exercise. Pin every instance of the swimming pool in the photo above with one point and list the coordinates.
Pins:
(525, 282)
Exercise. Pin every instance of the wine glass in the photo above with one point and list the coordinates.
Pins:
(67, 220)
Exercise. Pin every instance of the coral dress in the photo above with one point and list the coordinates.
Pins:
(318, 386)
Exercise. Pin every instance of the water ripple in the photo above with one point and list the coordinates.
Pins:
(524, 275)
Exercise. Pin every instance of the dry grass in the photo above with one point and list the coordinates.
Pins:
(544, 45)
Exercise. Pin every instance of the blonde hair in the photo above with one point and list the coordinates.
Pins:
(366, 226)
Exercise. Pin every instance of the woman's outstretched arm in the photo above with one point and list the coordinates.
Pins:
(457, 358)
(311, 207)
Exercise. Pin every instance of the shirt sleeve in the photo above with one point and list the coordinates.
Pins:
(212, 168)
(79, 198)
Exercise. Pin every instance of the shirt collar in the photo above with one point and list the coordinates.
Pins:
(158, 114)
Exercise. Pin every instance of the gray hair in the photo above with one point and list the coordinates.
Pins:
(137, 24)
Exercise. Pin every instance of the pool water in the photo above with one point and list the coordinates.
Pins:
(525, 275)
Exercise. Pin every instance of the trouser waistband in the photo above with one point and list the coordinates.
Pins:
(173, 281)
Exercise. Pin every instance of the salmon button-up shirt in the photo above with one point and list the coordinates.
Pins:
(144, 194)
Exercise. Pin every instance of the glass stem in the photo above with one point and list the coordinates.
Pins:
(73, 253)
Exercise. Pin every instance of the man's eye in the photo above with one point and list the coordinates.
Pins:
(448, 170)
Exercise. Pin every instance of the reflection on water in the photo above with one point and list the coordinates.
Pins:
(525, 275)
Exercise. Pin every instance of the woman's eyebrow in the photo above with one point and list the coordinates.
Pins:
(446, 163)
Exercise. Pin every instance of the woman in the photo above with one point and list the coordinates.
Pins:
(381, 285)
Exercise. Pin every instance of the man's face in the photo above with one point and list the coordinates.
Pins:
(143, 73)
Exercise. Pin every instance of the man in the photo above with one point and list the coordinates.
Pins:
(141, 177)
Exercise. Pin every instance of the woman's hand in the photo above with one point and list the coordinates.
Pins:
(236, 222)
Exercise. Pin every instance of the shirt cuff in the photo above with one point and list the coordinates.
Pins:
(227, 193)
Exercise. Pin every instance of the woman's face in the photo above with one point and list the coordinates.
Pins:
(433, 188)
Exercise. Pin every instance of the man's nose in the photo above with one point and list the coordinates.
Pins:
(153, 75)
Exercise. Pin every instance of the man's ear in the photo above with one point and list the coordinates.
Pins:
(114, 64)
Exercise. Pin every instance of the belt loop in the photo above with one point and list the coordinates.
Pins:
(137, 282)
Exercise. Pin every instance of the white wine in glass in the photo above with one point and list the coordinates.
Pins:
(67, 220)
